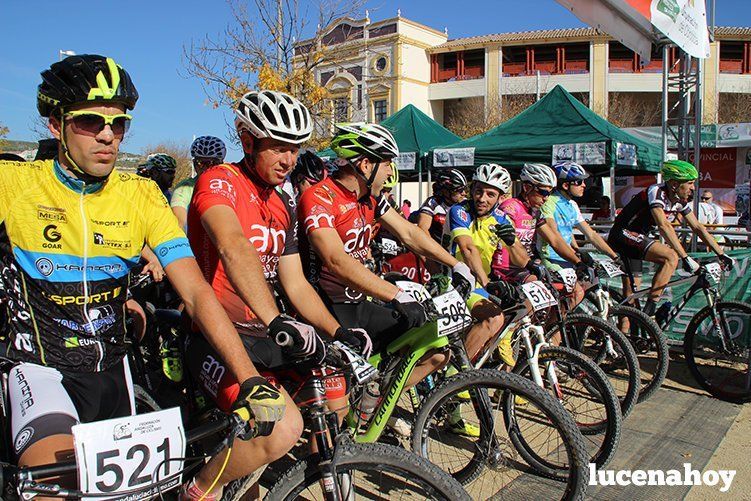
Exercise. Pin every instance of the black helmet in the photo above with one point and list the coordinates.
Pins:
(309, 166)
(451, 179)
(83, 79)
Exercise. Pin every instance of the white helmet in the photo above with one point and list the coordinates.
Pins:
(356, 139)
(495, 176)
(273, 114)
(539, 174)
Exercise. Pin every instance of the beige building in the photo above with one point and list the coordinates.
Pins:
(381, 66)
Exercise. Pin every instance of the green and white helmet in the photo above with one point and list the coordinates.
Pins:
(679, 170)
(353, 140)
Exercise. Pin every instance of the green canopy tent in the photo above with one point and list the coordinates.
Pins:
(557, 119)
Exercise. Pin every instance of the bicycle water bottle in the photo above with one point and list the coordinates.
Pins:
(370, 397)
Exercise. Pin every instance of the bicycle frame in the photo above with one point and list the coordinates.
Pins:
(419, 341)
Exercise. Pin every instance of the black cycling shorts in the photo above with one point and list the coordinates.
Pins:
(45, 401)
(379, 322)
(629, 244)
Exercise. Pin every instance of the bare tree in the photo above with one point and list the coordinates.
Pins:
(261, 48)
(734, 108)
(630, 109)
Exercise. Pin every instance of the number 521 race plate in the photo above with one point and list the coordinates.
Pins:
(119, 457)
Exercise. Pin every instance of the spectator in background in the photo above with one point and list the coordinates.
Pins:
(406, 208)
(602, 212)
(709, 213)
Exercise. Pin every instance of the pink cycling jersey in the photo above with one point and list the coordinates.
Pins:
(526, 221)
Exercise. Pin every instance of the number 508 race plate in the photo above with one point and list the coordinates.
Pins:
(119, 457)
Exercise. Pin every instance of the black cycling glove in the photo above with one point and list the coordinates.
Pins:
(506, 232)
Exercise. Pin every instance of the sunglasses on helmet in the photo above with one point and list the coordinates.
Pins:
(91, 123)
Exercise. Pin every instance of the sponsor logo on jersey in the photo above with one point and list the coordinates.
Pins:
(464, 216)
(107, 268)
(44, 266)
(267, 240)
(100, 297)
(51, 235)
(102, 241)
(212, 372)
(166, 250)
(116, 224)
(314, 221)
(52, 214)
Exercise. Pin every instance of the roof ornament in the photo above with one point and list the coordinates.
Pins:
(398, 12)
(446, 30)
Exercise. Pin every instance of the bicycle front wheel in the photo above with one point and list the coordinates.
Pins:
(369, 471)
(609, 348)
(718, 350)
(506, 411)
(586, 393)
(649, 343)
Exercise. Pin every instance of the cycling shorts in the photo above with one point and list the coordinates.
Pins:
(217, 381)
(629, 244)
(45, 401)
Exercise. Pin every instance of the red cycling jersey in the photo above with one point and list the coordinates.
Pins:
(268, 221)
(328, 204)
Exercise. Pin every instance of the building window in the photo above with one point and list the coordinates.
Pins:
(341, 109)
(380, 64)
(380, 110)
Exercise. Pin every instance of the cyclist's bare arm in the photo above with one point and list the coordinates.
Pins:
(596, 239)
(518, 254)
(241, 261)
(667, 231)
(702, 232)
(415, 239)
(182, 216)
(330, 249)
(423, 222)
(303, 297)
(549, 231)
(472, 258)
(205, 310)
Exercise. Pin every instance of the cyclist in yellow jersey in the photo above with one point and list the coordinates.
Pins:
(70, 230)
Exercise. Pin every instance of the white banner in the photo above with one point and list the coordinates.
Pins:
(684, 22)
(581, 153)
(406, 161)
(454, 157)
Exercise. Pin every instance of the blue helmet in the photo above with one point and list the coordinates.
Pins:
(569, 171)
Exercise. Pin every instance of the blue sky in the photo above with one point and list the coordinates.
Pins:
(147, 38)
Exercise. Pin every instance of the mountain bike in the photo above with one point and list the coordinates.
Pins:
(717, 342)
(642, 331)
(493, 457)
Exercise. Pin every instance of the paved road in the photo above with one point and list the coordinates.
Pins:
(681, 424)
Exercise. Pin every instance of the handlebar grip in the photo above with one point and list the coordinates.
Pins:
(285, 340)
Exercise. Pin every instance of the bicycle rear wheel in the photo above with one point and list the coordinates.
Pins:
(369, 471)
(535, 451)
(594, 337)
(586, 393)
(721, 365)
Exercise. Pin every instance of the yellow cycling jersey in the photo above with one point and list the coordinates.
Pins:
(462, 221)
(66, 249)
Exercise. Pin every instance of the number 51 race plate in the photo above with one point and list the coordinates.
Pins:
(118, 458)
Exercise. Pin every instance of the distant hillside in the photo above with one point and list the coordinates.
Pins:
(28, 149)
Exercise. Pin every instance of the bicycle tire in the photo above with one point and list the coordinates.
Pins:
(644, 333)
(144, 401)
(573, 470)
(593, 330)
(692, 341)
(381, 458)
(597, 384)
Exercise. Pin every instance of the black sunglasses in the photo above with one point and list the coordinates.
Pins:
(576, 182)
(91, 123)
(706, 198)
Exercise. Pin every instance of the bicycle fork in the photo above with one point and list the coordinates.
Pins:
(528, 331)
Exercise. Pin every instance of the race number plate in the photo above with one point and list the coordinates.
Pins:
(610, 268)
(454, 311)
(569, 278)
(714, 270)
(122, 455)
(362, 370)
(538, 295)
(389, 247)
(418, 292)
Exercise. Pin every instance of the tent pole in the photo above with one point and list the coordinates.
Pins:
(612, 191)
(429, 182)
(419, 182)
(665, 108)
